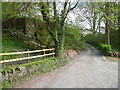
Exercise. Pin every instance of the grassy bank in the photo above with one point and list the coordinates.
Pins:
(10, 44)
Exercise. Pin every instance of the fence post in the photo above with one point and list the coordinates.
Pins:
(28, 56)
(53, 54)
(4, 56)
(1, 79)
(44, 54)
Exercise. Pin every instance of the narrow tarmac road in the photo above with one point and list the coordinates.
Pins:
(88, 70)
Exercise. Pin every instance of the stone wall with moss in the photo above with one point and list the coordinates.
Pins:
(10, 74)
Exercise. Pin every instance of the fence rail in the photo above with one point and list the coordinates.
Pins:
(24, 52)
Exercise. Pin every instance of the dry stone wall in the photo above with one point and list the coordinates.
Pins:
(10, 73)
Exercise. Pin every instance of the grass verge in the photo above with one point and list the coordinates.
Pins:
(41, 67)
(112, 59)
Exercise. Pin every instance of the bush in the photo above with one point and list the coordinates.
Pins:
(73, 39)
(94, 39)
(105, 48)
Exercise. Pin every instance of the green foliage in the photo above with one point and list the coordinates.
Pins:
(111, 8)
(98, 41)
(104, 48)
(73, 38)
(91, 38)
(94, 39)
(45, 63)
(7, 83)
(42, 67)
(12, 11)
(8, 69)
(114, 36)
(11, 44)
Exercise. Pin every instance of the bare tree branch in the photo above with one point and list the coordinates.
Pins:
(54, 8)
(69, 9)
(74, 6)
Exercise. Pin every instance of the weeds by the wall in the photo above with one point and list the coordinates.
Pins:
(37, 67)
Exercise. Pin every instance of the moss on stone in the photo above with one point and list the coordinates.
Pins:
(42, 67)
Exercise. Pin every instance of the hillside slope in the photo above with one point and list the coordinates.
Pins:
(10, 43)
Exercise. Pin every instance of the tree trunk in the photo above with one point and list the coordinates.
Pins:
(56, 28)
(99, 24)
(24, 25)
(107, 33)
(59, 43)
(107, 23)
(94, 23)
(59, 48)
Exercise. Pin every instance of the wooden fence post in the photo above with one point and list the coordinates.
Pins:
(53, 54)
(1, 79)
(44, 54)
(28, 56)
(5, 56)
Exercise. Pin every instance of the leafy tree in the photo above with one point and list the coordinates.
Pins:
(55, 21)
(54, 15)
(74, 37)
(118, 26)
(109, 11)
(91, 15)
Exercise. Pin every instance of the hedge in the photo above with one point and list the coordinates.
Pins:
(105, 48)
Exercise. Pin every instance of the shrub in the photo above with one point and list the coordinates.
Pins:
(91, 39)
(73, 39)
(94, 39)
(105, 48)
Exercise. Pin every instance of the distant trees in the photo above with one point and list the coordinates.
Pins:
(118, 25)
(91, 14)
(107, 14)
(99, 12)
(109, 11)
